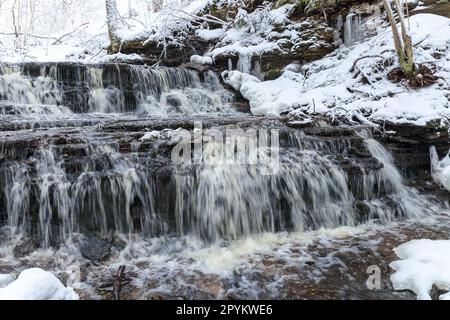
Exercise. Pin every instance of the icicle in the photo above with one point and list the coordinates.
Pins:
(352, 29)
(244, 64)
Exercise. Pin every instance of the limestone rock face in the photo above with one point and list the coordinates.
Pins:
(175, 53)
(296, 42)
(313, 40)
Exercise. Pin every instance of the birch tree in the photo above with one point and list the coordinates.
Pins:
(112, 19)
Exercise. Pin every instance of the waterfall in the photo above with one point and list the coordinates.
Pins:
(104, 190)
(118, 197)
(18, 89)
(88, 170)
(114, 89)
(308, 192)
(166, 91)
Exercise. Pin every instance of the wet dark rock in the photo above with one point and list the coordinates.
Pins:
(195, 66)
(174, 54)
(25, 247)
(436, 292)
(92, 248)
(74, 147)
(410, 145)
(315, 40)
(5, 234)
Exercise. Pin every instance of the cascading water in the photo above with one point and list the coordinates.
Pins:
(115, 89)
(106, 190)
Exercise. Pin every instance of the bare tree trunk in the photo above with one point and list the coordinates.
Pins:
(404, 50)
(112, 19)
(407, 42)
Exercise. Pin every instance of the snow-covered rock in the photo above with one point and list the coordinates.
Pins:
(267, 40)
(201, 59)
(210, 34)
(334, 85)
(265, 97)
(36, 284)
(424, 263)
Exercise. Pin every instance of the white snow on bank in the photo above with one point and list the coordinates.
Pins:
(424, 263)
(331, 88)
(35, 284)
(265, 97)
(440, 170)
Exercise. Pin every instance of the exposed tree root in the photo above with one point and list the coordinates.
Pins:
(423, 76)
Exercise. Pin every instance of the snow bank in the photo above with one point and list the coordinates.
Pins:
(330, 86)
(440, 170)
(424, 263)
(36, 284)
(267, 97)
(201, 59)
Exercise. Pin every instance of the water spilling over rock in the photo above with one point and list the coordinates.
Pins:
(99, 180)
(114, 88)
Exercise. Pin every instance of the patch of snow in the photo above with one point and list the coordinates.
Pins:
(37, 284)
(210, 34)
(201, 59)
(150, 136)
(265, 97)
(423, 263)
(164, 134)
(237, 48)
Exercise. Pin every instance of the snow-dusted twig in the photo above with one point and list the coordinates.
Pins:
(364, 57)
(205, 18)
(69, 33)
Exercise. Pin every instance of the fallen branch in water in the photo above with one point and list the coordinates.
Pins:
(117, 285)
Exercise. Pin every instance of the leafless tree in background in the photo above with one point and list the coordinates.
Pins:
(112, 19)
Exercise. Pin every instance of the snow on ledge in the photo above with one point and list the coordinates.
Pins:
(265, 97)
(424, 263)
(35, 284)
(201, 59)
